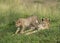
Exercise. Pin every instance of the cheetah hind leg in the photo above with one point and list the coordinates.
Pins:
(32, 28)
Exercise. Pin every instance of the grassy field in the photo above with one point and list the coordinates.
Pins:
(11, 10)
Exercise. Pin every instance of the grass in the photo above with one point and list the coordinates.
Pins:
(10, 11)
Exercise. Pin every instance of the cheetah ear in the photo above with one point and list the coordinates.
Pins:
(42, 19)
(48, 19)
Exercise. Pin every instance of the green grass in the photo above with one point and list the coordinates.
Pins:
(10, 11)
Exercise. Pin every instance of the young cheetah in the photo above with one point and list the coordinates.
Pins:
(22, 23)
(44, 24)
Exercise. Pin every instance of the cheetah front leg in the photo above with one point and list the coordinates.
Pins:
(22, 30)
(18, 29)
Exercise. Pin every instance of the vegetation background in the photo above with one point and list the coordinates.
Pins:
(11, 10)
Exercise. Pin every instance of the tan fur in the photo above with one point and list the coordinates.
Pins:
(26, 22)
(33, 22)
(45, 23)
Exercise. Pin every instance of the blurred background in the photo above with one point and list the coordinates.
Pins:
(12, 9)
